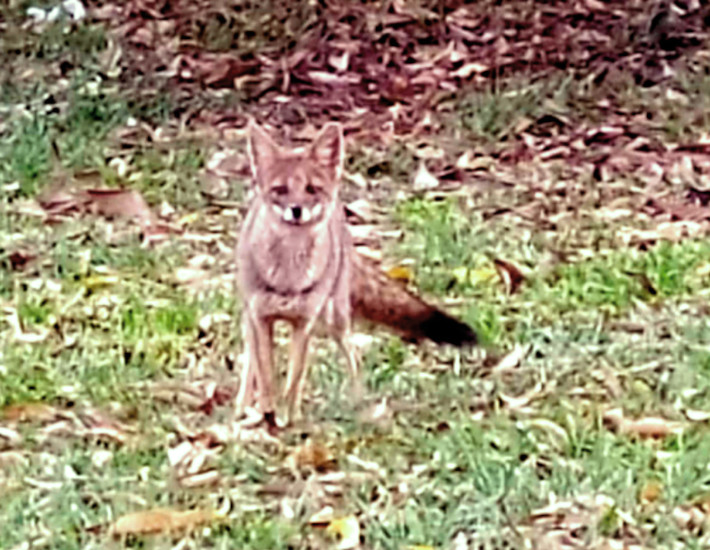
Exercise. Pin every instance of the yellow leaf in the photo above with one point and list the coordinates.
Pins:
(400, 273)
(160, 521)
(460, 274)
(347, 530)
(96, 282)
(651, 492)
(189, 219)
(481, 275)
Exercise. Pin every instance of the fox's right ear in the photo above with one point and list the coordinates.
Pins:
(261, 150)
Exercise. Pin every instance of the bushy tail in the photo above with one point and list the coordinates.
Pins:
(377, 298)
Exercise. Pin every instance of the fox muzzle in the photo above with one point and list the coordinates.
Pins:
(297, 214)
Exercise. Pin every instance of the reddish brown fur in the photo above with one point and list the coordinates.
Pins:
(377, 298)
(297, 264)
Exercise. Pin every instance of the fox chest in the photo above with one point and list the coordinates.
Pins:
(294, 280)
(287, 263)
(292, 266)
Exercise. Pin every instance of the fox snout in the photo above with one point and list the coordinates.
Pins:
(299, 214)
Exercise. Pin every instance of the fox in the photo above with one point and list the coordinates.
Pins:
(296, 262)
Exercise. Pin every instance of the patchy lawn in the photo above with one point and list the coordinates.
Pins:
(559, 208)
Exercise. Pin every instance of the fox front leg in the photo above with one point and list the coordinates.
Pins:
(247, 394)
(297, 369)
(258, 367)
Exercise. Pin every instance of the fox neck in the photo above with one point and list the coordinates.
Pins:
(291, 259)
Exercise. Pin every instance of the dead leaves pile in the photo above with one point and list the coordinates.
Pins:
(389, 71)
(570, 525)
(300, 59)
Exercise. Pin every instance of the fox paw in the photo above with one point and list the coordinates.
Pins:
(270, 421)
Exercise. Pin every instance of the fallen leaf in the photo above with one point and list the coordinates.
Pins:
(689, 517)
(202, 479)
(424, 180)
(311, 455)
(649, 427)
(521, 401)
(160, 521)
(20, 259)
(97, 282)
(466, 70)
(400, 273)
(697, 415)
(106, 202)
(190, 275)
(29, 412)
(11, 436)
(478, 275)
(378, 413)
(322, 517)
(189, 218)
(339, 62)
(511, 275)
(512, 359)
(650, 492)
(346, 530)
(469, 161)
(112, 203)
(362, 209)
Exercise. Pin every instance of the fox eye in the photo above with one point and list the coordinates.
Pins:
(311, 189)
(280, 190)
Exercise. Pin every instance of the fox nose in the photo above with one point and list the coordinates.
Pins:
(297, 212)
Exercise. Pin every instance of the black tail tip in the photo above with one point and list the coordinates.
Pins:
(444, 329)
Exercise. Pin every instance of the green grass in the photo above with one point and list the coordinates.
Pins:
(455, 252)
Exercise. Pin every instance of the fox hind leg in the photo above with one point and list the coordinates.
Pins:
(352, 364)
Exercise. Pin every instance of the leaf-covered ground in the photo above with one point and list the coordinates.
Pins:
(539, 168)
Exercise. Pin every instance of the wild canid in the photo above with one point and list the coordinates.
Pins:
(296, 263)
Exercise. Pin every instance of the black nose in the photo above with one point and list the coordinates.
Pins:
(296, 211)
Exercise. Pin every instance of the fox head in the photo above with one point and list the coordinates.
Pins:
(300, 186)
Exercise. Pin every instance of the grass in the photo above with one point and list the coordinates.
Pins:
(469, 451)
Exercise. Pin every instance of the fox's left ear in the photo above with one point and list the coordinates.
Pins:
(328, 151)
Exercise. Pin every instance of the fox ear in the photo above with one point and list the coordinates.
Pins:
(327, 149)
(261, 150)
